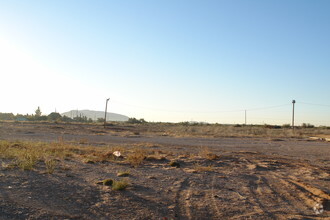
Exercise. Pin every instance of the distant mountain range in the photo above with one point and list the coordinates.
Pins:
(94, 115)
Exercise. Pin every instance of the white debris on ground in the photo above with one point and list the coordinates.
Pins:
(117, 153)
(318, 208)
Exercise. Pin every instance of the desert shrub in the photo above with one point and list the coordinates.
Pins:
(120, 185)
(136, 157)
(307, 125)
(27, 161)
(7, 116)
(136, 121)
(286, 126)
(272, 126)
(201, 168)
(50, 165)
(207, 154)
(54, 116)
(107, 182)
(156, 158)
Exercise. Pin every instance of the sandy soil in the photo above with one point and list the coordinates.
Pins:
(253, 178)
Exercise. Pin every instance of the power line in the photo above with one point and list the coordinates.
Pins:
(215, 111)
(269, 107)
(305, 103)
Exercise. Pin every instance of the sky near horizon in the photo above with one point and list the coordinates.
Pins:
(171, 61)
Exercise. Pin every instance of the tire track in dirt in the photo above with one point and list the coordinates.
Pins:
(267, 191)
(214, 204)
(256, 197)
(299, 197)
(280, 198)
(310, 195)
(182, 199)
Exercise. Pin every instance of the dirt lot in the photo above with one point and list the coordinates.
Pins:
(218, 177)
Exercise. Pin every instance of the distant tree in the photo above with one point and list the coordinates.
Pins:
(286, 126)
(7, 116)
(136, 121)
(38, 112)
(307, 125)
(100, 120)
(81, 119)
(66, 119)
(42, 118)
(54, 116)
(142, 120)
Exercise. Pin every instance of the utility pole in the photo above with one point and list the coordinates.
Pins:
(105, 114)
(293, 102)
(245, 117)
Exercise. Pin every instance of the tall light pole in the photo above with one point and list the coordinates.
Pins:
(293, 102)
(105, 113)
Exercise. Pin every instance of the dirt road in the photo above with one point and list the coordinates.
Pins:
(252, 178)
(314, 151)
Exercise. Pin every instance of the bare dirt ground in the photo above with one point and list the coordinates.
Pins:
(252, 178)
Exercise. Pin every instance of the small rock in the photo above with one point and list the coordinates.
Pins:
(174, 164)
(188, 170)
(122, 174)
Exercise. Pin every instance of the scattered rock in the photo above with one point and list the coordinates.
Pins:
(122, 174)
(174, 164)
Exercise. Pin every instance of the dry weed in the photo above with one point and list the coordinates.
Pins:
(120, 185)
(200, 168)
(207, 154)
(25, 155)
(50, 165)
(136, 157)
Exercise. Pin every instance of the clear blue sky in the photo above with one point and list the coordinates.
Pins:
(168, 60)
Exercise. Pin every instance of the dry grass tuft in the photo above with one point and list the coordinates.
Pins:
(207, 154)
(120, 185)
(136, 156)
(50, 165)
(26, 155)
(27, 160)
(156, 156)
(22, 155)
(201, 168)
(115, 184)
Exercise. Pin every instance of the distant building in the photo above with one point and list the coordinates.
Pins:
(21, 119)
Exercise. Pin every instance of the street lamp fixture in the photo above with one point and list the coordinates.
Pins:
(293, 102)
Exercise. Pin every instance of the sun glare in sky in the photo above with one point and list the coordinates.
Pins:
(172, 61)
